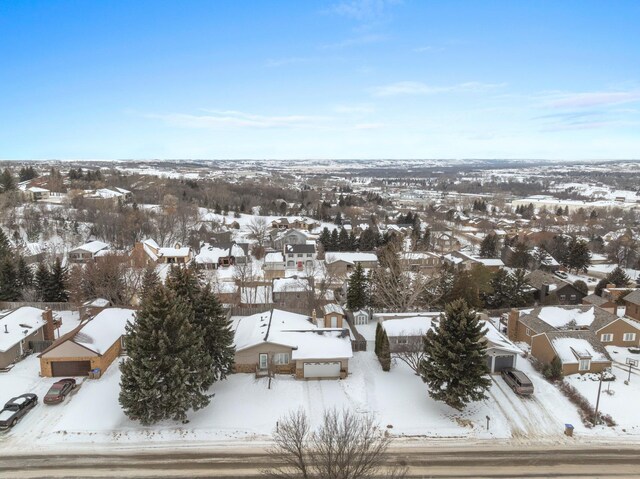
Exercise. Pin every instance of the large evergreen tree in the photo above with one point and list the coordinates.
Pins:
(218, 338)
(489, 246)
(9, 282)
(579, 257)
(617, 277)
(42, 279)
(56, 287)
(455, 365)
(5, 246)
(167, 371)
(357, 289)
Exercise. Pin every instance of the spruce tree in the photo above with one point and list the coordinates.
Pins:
(25, 275)
(211, 319)
(150, 281)
(384, 355)
(334, 241)
(455, 365)
(489, 246)
(5, 246)
(357, 289)
(163, 376)
(42, 279)
(9, 283)
(343, 240)
(56, 286)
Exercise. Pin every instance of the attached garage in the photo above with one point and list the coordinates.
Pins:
(321, 370)
(70, 368)
(503, 362)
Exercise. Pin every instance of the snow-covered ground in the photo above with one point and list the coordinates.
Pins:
(245, 410)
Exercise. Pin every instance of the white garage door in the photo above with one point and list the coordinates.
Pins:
(322, 370)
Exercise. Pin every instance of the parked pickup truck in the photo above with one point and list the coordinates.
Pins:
(16, 408)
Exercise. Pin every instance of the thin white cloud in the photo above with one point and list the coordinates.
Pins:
(216, 119)
(362, 108)
(368, 126)
(362, 10)
(428, 48)
(590, 99)
(278, 62)
(420, 88)
(355, 41)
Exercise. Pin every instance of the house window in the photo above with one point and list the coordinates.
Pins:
(573, 297)
(264, 360)
(308, 255)
(584, 365)
(563, 297)
(629, 337)
(281, 359)
(402, 340)
(606, 338)
(528, 332)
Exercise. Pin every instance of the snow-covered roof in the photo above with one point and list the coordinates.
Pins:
(495, 339)
(283, 285)
(321, 344)
(19, 323)
(211, 254)
(269, 327)
(92, 247)
(571, 350)
(181, 252)
(560, 317)
(97, 303)
(333, 308)
(104, 329)
(350, 257)
(274, 257)
(416, 326)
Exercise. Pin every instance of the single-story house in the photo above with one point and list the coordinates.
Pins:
(549, 289)
(92, 307)
(632, 303)
(406, 333)
(342, 263)
(148, 252)
(420, 260)
(94, 344)
(280, 342)
(578, 351)
(468, 261)
(87, 252)
(21, 326)
(274, 265)
(585, 322)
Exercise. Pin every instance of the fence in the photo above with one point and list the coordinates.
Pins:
(38, 304)
(39, 346)
(249, 310)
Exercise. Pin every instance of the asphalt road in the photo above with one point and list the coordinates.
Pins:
(423, 462)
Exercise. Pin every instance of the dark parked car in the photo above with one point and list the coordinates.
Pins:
(518, 381)
(16, 408)
(59, 391)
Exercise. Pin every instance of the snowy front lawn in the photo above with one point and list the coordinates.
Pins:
(244, 409)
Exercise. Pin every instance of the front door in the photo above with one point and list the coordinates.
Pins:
(334, 321)
(264, 361)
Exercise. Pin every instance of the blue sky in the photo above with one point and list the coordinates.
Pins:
(311, 79)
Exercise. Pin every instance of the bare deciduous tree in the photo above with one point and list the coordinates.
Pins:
(345, 446)
(258, 230)
(409, 350)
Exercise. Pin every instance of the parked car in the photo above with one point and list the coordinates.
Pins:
(16, 408)
(59, 390)
(518, 381)
(561, 274)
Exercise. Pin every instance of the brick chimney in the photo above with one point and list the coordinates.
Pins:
(512, 324)
(49, 328)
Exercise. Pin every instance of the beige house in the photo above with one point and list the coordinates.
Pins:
(19, 328)
(148, 252)
(94, 344)
(279, 342)
(549, 329)
(87, 252)
(274, 265)
(632, 302)
(340, 264)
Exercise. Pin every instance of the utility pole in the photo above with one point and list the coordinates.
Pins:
(595, 415)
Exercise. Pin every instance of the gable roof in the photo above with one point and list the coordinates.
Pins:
(551, 318)
(539, 278)
(594, 299)
(19, 323)
(633, 298)
(92, 247)
(299, 248)
(571, 346)
(100, 333)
